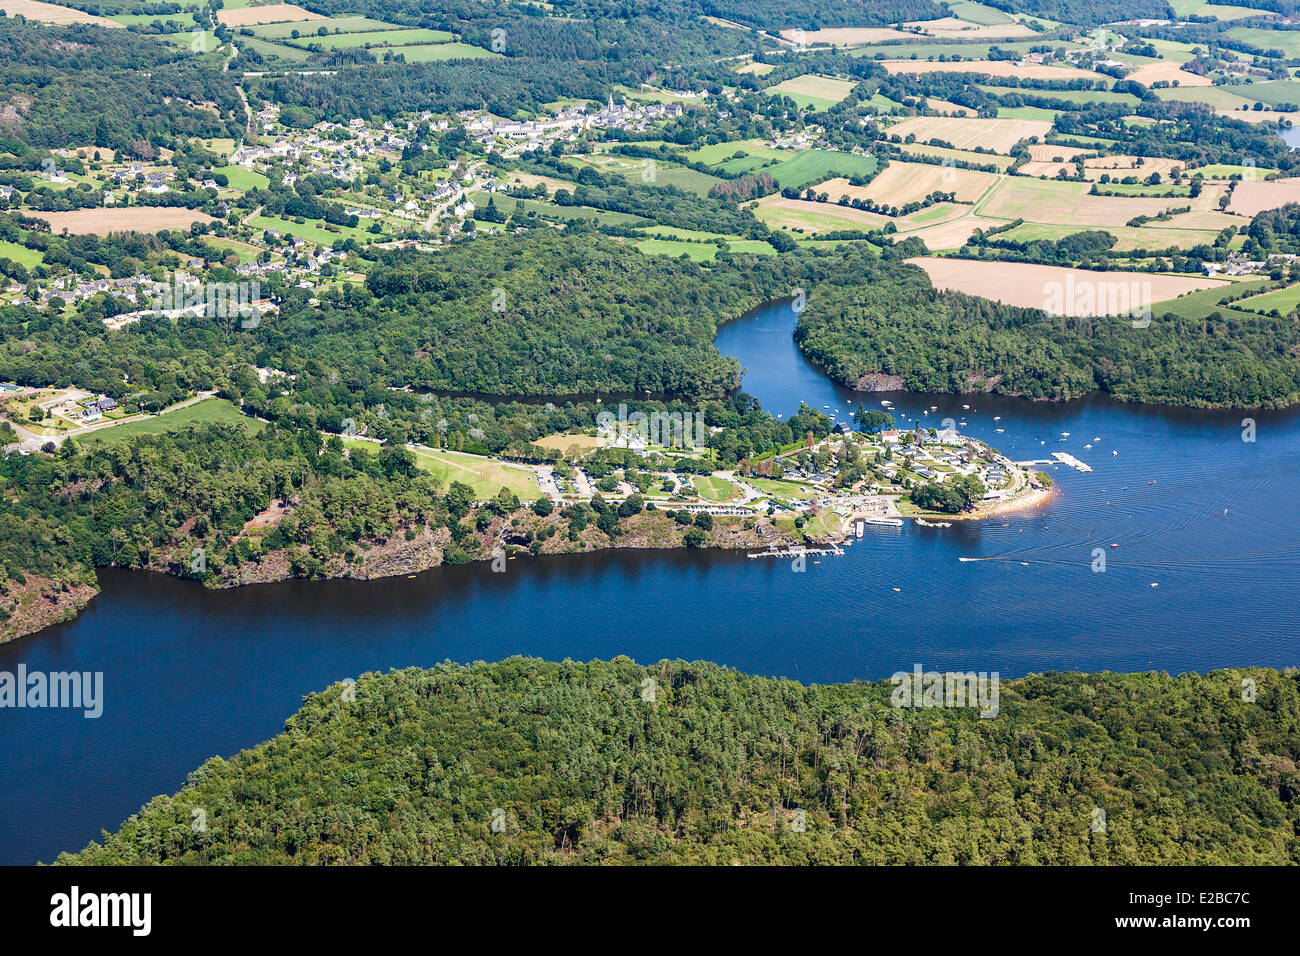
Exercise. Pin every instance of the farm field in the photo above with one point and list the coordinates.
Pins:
(102, 221)
(1251, 198)
(443, 51)
(901, 183)
(375, 38)
(1069, 96)
(1128, 238)
(698, 251)
(1168, 73)
(269, 50)
(843, 36)
(998, 135)
(52, 13)
(282, 31)
(949, 235)
(271, 13)
(1274, 92)
(817, 92)
(1288, 41)
(1068, 203)
(1284, 300)
(962, 155)
(952, 28)
(207, 411)
(799, 214)
(1119, 167)
(974, 12)
(814, 165)
(756, 69)
(998, 68)
(1038, 287)
(660, 173)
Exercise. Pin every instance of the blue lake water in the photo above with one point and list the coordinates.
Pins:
(1210, 518)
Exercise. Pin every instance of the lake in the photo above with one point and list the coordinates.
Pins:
(1210, 518)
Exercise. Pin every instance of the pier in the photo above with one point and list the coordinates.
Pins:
(795, 552)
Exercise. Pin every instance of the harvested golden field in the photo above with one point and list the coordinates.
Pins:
(1169, 73)
(812, 217)
(1048, 153)
(271, 13)
(820, 91)
(949, 109)
(106, 155)
(101, 222)
(1049, 170)
(758, 69)
(844, 36)
(1251, 198)
(562, 443)
(1121, 166)
(533, 180)
(1029, 71)
(964, 132)
(949, 235)
(1068, 203)
(1058, 289)
(53, 13)
(901, 183)
(952, 27)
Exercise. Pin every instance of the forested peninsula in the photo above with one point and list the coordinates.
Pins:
(533, 762)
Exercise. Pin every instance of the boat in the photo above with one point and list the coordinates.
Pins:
(886, 402)
(965, 406)
(884, 522)
(997, 418)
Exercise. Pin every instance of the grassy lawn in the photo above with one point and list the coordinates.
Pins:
(208, 410)
(312, 231)
(714, 489)
(484, 475)
(20, 254)
(243, 179)
(784, 489)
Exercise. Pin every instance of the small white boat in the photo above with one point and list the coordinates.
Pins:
(884, 522)
(886, 402)
(999, 430)
(965, 406)
(997, 418)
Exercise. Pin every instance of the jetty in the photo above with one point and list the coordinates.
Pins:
(795, 552)
(1067, 459)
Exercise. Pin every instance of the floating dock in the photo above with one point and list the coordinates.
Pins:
(795, 552)
(1068, 459)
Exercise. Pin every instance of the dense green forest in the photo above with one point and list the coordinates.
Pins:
(884, 317)
(83, 85)
(693, 763)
